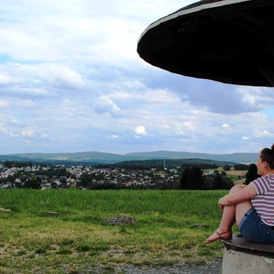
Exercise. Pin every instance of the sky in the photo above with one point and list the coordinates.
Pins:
(71, 80)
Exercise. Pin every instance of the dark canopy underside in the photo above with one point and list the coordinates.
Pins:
(231, 41)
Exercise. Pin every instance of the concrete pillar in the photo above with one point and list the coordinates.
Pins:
(248, 259)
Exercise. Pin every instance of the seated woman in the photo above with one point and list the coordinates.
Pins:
(251, 206)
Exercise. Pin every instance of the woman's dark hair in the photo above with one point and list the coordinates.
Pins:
(267, 154)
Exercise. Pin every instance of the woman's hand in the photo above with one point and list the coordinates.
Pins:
(223, 202)
(235, 197)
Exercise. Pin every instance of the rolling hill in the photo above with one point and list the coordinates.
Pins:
(101, 157)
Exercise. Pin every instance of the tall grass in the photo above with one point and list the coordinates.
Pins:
(170, 228)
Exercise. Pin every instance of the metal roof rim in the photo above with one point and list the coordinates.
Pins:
(187, 11)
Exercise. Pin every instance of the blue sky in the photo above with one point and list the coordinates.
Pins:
(71, 80)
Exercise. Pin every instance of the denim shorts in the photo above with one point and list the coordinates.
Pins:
(253, 229)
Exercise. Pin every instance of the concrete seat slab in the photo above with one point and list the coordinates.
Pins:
(239, 243)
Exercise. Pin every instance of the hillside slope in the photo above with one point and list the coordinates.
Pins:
(101, 157)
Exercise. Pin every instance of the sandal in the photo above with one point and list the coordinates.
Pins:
(219, 236)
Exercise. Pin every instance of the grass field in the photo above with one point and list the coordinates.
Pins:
(170, 228)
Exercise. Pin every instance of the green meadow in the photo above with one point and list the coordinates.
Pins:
(170, 228)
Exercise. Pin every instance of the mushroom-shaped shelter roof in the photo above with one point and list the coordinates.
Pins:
(230, 41)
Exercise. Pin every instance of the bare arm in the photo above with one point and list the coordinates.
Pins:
(244, 194)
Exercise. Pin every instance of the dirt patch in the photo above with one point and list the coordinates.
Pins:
(213, 267)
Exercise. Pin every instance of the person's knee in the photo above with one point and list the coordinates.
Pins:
(236, 188)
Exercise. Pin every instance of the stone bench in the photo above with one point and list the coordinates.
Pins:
(242, 257)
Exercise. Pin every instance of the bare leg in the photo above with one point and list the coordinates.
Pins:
(230, 215)
(241, 210)
(228, 219)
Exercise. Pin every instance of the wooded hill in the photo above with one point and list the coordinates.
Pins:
(203, 163)
(100, 157)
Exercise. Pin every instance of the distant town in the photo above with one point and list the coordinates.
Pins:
(42, 176)
(58, 176)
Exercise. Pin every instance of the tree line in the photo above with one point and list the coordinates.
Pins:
(193, 177)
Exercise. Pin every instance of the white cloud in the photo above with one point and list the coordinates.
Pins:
(4, 78)
(28, 132)
(140, 131)
(4, 130)
(265, 133)
(104, 105)
(54, 74)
